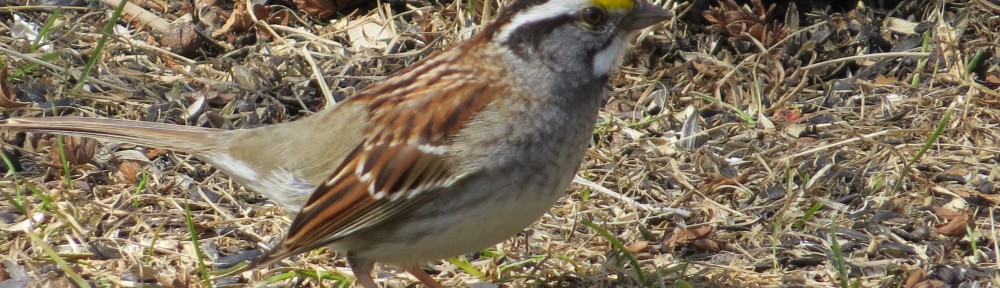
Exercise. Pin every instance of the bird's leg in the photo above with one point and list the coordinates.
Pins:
(362, 272)
(422, 276)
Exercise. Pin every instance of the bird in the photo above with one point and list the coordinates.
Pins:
(455, 153)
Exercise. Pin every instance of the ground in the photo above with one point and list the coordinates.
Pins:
(853, 145)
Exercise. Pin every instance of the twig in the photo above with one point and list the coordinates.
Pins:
(603, 190)
(142, 16)
(61, 69)
(677, 176)
(320, 80)
(835, 144)
(869, 56)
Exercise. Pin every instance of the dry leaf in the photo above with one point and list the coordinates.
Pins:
(993, 79)
(637, 247)
(696, 238)
(325, 9)
(956, 222)
(883, 80)
(902, 26)
(238, 22)
(976, 196)
(152, 153)
(713, 181)
(370, 33)
(8, 99)
(78, 150)
(786, 115)
(919, 279)
(130, 170)
(745, 23)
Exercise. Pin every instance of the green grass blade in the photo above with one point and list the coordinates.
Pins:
(617, 244)
(143, 180)
(923, 60)
(305, 273)
(972, 64)
(60, 262)
(15, 199)
(20, 72)
(109, 29)
(808, 215)
(67, 171)
(923, 149)
(466, 266)
(205, 276)
(46, 29)
(838, 255)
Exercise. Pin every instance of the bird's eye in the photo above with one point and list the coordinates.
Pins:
(593, 15)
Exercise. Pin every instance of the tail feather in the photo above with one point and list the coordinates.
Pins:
(189, 139)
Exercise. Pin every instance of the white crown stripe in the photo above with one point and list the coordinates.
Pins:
(554, 8)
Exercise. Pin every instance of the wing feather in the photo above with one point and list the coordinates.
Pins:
(398, 165)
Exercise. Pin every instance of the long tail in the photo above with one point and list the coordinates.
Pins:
(189, 139)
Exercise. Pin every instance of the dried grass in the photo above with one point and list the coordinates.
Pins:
(783, 142)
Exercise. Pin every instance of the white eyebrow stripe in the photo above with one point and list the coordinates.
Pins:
(548, 10)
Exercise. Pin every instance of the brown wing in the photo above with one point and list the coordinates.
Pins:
(365, 192)
(401, 161)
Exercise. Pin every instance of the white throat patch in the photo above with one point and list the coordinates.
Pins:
(609, 57)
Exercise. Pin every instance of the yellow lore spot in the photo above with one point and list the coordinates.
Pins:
(615, 4)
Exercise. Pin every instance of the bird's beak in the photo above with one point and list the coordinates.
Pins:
(646, 14)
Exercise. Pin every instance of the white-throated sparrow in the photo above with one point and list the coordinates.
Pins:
(453, 154)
